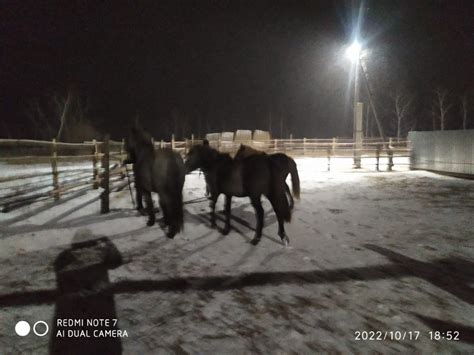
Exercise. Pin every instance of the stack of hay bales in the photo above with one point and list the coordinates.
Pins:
(261, 140)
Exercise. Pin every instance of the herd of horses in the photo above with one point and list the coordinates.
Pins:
(250, 173)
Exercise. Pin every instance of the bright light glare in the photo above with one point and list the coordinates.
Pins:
(353, 51)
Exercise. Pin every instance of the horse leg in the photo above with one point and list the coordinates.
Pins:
(228, 200)
(213, 210)
(280, 205)
(139, 199)
(281, 232)
(257, 204)
(149, 207)
(290, 197)
(165, 212)
(167, 207)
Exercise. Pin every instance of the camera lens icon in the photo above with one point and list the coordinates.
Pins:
(23, 328)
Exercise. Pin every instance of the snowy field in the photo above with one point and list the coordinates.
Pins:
(380, 252)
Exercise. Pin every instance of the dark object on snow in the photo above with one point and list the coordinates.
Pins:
(84, 293)
(285, 165)
(160, 171)
(252, 176)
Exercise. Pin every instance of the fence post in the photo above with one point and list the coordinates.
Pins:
(185, 146)
(54, 167)
(304, 146)
(192, 139)
(275, 145)
(172, 141)
(153, 142)
(122, 148)
(390, 158)
(329, 158)
(377, 157)
(162, 144)
(95, 171)
(334, 145)
(104, 197)
(291, 142)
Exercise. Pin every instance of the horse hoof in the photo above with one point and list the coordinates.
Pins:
(170, 235)
(285, 240)
(150, 223)
(255, 241)
(142, 211)
(225, 231)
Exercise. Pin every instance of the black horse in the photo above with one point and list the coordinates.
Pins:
(161, 171)
(286, 165)
(252, 176)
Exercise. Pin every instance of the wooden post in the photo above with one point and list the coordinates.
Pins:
(185, 146)
(54, 167)
(377, 157)
(357, 135)
(95, 170)
(329, 158)
(172, 141)
(104, 197)
(334, 145)
(192, 139)
(390, 158)
(153, 142)
(162, 144)
(122, 148)
(304, 146)
(275, 145)
(291, 142)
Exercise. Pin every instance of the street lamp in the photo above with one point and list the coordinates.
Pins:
(353, 53)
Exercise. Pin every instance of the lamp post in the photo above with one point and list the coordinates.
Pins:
(353, 53)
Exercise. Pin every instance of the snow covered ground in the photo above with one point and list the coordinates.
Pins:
(369, 251)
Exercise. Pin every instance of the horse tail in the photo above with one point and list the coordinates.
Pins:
(295, 179)
(280, 203)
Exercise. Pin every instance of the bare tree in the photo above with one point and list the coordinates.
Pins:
(464, 109)
(402, 102)
(64, 106)
(282, 125)
(441, 106)
(270, 121)
(64, 116)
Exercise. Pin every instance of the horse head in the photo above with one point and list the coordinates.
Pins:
(200, 157)
(137, 141)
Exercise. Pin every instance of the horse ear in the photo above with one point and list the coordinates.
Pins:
(136, 121)
(205, 142)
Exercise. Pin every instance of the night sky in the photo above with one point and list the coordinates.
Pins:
(229, 64)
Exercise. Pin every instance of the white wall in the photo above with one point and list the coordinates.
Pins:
(444, 151)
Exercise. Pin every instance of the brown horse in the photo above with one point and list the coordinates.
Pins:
(252, 176)
(285, 165)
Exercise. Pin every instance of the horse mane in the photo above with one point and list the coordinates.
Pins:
(141, 137)
(246, 151)
(142, 141)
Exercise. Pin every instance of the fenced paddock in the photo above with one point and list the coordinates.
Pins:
(368, 251)
(39, 170)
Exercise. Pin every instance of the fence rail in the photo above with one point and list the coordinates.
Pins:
(58, 181)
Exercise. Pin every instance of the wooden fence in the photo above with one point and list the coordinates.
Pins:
(60, 182)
